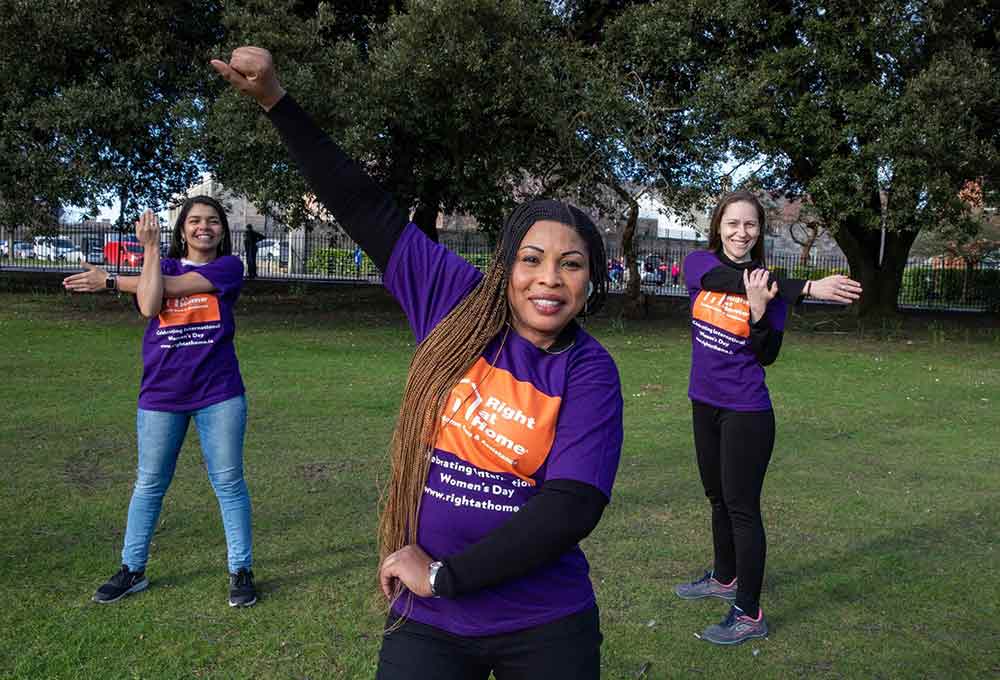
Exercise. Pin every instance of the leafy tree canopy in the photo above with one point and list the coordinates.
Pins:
(451, 106)
(880, 112)
(94, 100)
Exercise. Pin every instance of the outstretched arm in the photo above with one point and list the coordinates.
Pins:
(367, 213)
(725, 279)
(94, 280)
(836, 288)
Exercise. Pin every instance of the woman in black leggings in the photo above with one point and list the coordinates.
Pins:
(737, 319)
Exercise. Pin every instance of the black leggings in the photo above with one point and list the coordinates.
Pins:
(734, 448)
(567, 648)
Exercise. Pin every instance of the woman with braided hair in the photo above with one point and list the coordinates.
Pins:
(509, 431)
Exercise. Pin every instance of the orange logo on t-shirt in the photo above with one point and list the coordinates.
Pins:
(182, 311)
(499, 423)
(727, 311)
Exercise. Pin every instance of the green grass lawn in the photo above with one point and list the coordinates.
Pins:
(881, 503)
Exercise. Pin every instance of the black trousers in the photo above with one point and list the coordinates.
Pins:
(567, 648)
(734, 449)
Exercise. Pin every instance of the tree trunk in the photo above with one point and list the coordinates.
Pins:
(881, 284)
(806, 242)
(806, 249)
(634, 307)
(424, 205)
(122, 198)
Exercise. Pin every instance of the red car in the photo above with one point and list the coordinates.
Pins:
(126, 253)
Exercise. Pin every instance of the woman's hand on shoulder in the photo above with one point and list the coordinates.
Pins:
(92, 280)
(251, 71)
(836, 288)
(411, 566)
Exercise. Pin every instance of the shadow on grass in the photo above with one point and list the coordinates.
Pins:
(286, 573)
(876, 572)
(356, 556)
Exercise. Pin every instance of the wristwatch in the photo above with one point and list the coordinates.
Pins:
(432, 572)
(111, 283)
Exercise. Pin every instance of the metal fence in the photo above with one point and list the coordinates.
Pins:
(928, 283)
(298, 255)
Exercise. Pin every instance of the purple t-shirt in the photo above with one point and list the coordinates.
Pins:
(724, 370)
(521, 416)
(188, 358)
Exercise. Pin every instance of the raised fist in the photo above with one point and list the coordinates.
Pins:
(251, 71)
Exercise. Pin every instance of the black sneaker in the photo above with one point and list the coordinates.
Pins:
(241, 589)
(123, 583)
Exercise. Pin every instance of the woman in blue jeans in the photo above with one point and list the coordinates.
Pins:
(190, 372)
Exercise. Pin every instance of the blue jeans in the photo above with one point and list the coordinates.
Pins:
(161, 434)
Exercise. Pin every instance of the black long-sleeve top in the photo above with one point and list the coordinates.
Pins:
(765, 341)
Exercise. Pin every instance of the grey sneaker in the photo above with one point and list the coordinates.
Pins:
(706, 586)
(737, 627)
(123, 583)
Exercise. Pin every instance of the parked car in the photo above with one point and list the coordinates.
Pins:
(4, 249)
(23, 251)
(42, 245)
(269, 249)
(653, 270)
(95, 254)
(125, 252)
(273, 250)
(57, 249)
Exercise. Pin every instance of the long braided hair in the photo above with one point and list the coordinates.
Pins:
(444, 357)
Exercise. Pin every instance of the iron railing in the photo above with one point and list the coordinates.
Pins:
(934, 283)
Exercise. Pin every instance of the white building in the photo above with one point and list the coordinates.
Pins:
(656, 220)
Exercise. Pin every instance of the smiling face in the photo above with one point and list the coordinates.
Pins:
(203, 233)
(547, 287)
(739, 230)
